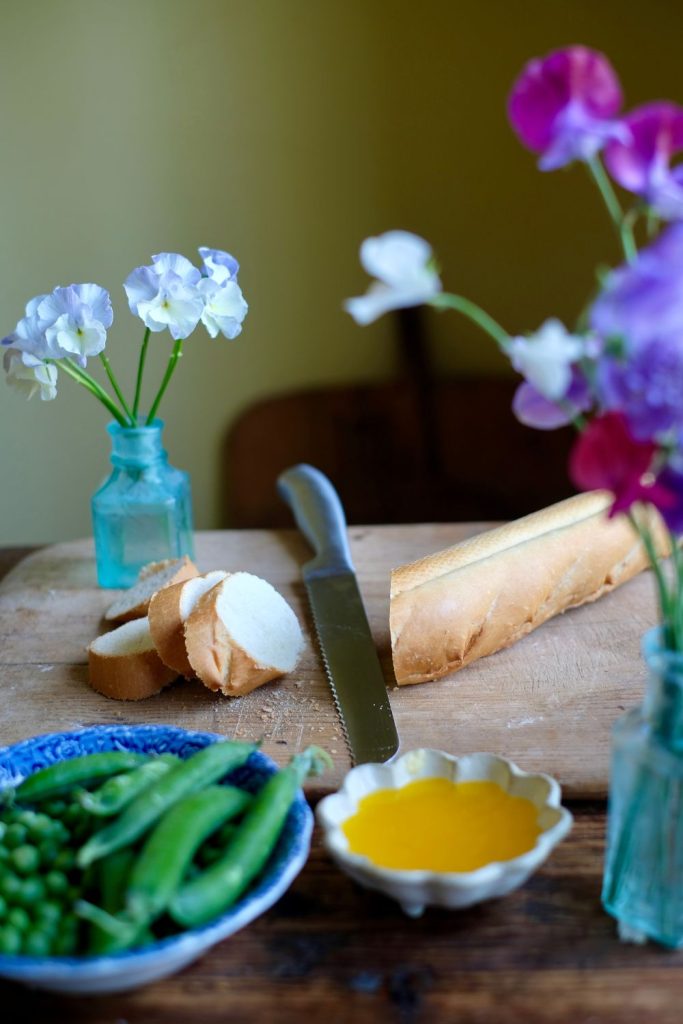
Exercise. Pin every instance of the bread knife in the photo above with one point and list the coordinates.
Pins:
(348, 650)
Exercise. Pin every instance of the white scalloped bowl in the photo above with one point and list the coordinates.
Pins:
(415, 890)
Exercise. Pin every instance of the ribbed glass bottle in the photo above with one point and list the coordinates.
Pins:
(143, 511)
(643, 881)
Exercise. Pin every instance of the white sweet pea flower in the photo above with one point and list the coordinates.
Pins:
(165, 295)
(71, 322)
(545, 358)
(218, 264)
(29, 334)
(224, 307)
(76, 320)
(402, 264)
(30, 376)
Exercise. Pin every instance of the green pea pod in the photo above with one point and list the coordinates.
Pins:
(117, 792)
(218, 887)
(61, 777)
(171, 846)
(113, 874)
(208, 765)
(109, 934)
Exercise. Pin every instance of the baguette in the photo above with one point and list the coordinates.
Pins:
(241, 634)
(168, 610)
(473, 599)
(124, 664)
(134, 603)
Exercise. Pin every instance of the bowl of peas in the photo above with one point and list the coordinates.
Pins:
(127, 851)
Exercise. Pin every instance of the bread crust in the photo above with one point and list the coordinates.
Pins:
(475, 598)
(216, 659)
(166, 627)
(128, 676)
(186, 570)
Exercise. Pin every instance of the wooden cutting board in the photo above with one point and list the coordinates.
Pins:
(548, 702)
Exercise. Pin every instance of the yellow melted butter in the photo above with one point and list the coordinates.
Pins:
(439, 825)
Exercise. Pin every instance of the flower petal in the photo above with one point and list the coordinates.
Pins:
(218, 264)
(176, 264)
(545, 358)
(607, 456)
(641, 161)
(30, 376)
(564, 105)
(397, 257)
(644, 300)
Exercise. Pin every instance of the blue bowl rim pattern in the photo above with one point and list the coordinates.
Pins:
(287, 859)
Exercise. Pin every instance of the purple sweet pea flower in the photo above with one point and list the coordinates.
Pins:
(165, 294)
(645, 385)
(534, 410)
(642, 162)
(219, 265)
(564, 106)
(670, 505)
(644, 299)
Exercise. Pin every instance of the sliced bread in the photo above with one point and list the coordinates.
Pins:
(168, 610)
(241, 634)
(152, 577)
(124, 664)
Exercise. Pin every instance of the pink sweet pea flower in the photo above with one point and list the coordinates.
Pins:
(607, 456)
(564, 106)
(642, 163)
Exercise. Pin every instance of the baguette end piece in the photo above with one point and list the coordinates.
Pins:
(134, 602)
(124, 664)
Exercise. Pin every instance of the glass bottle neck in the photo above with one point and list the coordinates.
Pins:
(663, 706)
(136, 447)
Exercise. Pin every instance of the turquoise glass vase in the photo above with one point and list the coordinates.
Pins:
(143, 511)
(643, 881)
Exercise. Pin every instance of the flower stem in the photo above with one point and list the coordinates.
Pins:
(138, 382)
(622, 224)
(91, 385)
(117, 390)
(175, 356)
(667, 601)
(476, 314)
(677, 596)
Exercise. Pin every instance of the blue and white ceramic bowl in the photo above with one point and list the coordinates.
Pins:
(122, 971)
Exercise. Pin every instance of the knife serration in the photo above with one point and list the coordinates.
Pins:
(352, 666)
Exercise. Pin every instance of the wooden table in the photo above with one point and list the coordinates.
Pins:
(330, 951)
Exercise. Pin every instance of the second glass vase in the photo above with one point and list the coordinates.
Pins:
(643, 882)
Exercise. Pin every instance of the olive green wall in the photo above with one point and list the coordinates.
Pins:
(284, 131)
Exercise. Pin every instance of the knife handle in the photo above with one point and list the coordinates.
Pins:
(320, 517)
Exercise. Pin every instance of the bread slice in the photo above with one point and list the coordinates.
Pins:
(124, 664)
(168, 610)
(152, 577)
(241, 634)
(477, 597)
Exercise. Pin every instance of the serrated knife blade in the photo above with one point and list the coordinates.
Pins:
(346, 643)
